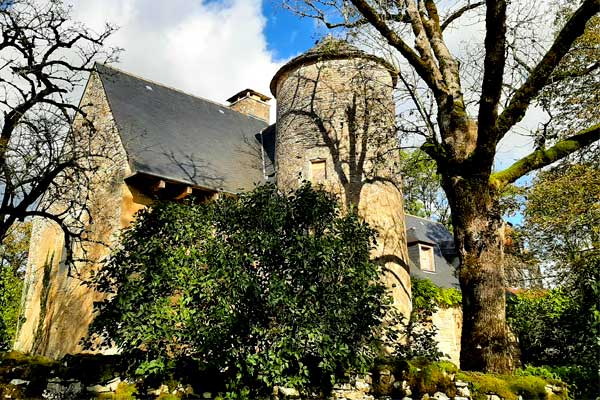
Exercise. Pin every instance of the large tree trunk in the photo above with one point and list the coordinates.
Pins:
(476, 217)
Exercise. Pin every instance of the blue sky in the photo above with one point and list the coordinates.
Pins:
(287, 34)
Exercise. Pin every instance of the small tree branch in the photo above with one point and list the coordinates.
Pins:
(543, 157)
(459, 13)
(69, 236)
(418, 104)
(424, 70)
(542, 72)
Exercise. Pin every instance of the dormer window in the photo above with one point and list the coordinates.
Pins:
(318, 171)
(426, 259)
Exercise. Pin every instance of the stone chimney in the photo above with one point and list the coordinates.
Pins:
(252, 103)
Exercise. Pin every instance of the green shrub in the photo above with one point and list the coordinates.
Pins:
(582, 381)
(263, 289)
(555, 329)
(544, 372)
(426, 296)
(14, 250)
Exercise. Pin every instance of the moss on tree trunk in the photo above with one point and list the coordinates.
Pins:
(478, 231)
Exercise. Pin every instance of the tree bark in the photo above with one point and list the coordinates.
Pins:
(478, 232)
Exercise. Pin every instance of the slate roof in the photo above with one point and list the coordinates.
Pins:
(420, 230)
(426, 231)
(180, 137)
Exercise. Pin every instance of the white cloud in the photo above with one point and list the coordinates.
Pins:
(210, 49)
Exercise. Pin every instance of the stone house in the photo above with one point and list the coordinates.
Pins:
(334, 127)
(432, 255)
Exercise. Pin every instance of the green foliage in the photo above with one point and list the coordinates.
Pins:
(562, 215)
(558, 328)
(420, 341)
(543, 372)
(427, 297)
(534, 317)
(11, 286)
(422, 188)
(263, 289)
(581, 380)
(14, 250)
(168, 396)
(552, 328)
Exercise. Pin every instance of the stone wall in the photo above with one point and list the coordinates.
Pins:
(338, 116)
(449, 324)
(57, 308)
(92, 379)
(252, 106)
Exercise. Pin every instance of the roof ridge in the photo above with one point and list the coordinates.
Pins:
(173, 89)
(424, 219)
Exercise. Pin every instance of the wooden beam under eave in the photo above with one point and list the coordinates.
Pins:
(187, 190)
(158, 185)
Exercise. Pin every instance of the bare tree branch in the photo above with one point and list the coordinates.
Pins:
(415, 98)
(46, 160)
(542, 72)
(459, 13)
(421, 67)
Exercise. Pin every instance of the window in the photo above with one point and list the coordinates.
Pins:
(426, 258)
(318, 171)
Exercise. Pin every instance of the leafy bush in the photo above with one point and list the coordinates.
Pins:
(557, 331)
(11, 286)
(559, 328)
(543, 372)
(582, 381)
(125, 391)
(14, 251)
(427, 297)
(265, 289)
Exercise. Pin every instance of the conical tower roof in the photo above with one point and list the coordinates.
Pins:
(330, 48)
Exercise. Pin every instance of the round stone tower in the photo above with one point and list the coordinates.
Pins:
(335, 128)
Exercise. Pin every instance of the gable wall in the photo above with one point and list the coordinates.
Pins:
(57, 308)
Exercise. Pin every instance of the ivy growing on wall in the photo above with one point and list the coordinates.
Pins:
(427, 297)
